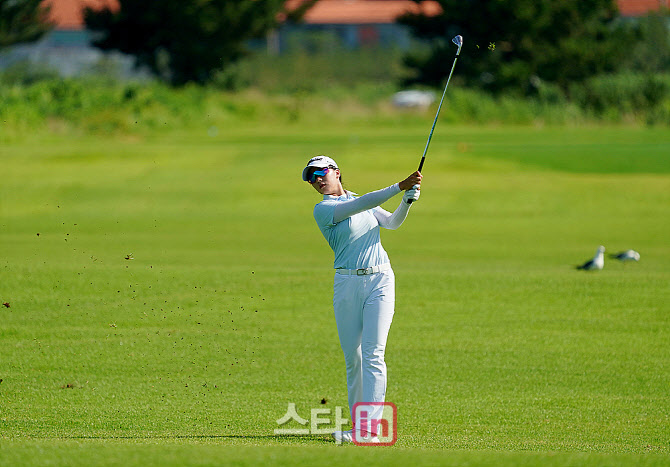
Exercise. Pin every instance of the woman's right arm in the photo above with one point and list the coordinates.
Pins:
(374, 198)
(370, 200)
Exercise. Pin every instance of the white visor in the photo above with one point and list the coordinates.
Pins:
(318, 161)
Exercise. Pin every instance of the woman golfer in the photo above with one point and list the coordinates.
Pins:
(364, 288)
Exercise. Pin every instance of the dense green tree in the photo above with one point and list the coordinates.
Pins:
(22, 21)
(187, 40)
(520, 43)
(652, 52)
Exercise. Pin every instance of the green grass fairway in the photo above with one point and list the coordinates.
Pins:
(167, 297)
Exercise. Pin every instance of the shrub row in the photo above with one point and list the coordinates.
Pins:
(98, 105)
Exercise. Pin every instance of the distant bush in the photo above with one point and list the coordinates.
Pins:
(100, 105)
(26, 72)
(625, 96)
(303, 71)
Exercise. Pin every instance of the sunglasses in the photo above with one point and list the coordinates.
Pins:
(311, 178)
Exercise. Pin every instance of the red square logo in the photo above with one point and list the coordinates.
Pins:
(375, 424)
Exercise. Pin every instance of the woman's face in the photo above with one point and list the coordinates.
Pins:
(327, 183)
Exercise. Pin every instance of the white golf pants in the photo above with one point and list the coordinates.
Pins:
(364, 307)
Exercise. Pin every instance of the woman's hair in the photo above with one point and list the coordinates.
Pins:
(331, 167)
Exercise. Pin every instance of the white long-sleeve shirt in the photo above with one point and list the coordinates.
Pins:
(351, 225)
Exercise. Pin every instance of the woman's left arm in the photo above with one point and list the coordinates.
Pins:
(395, 220)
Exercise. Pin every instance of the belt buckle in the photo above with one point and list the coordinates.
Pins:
(363, 271)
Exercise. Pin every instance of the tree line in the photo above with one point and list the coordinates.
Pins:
(520, 44)
(511, 44)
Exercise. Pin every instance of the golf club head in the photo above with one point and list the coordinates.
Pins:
(458, 40)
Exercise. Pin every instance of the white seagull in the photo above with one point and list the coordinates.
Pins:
(628, 255)
(596, 263)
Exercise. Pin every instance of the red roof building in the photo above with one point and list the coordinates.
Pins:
(67, 14)
(641, 7)
(362, 11)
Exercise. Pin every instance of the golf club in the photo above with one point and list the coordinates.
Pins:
(458, 40)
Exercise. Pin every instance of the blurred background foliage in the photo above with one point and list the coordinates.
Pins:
(580, 62)
(518, 44)
(22, 21)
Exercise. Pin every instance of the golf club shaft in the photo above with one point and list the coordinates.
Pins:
(458, 40)
(423, 158)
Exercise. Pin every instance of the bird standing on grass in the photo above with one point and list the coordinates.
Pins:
(597, 263)
(625, 256)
